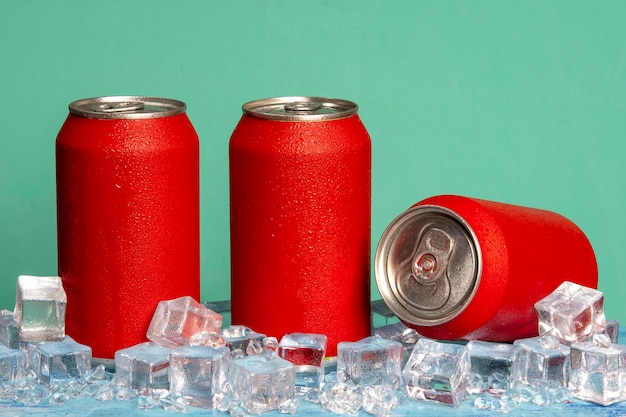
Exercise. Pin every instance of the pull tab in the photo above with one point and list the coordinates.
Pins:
(302, 106)
(118, 107)
(431, 256)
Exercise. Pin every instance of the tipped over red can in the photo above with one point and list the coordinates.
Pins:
(460, 268)
(127, 171)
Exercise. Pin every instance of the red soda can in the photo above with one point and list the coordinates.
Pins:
(127, 171)
(300, 203)
(459, 268)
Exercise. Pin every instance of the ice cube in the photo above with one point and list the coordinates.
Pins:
(102, 390)
(483, 401)
(40, 308)
(598, 371)
(370, 361)
(57, 361)
(8, 330)
(262, 382)
(572, 313)
(399, 332)
(143, 367)
(29, 393)
(342, 398)
(198, 374)
(289, 407)
(215, 340)
(611, 330)
(491, 364)
(239, 337)
(175, 321)
(147, 402)
(437, 372)
(379, 400)
(270, 343)
(306, 351)
(541, 359)
(12, 364)
(543, 394)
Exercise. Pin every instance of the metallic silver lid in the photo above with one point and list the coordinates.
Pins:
(428, 265)
(126, 107)
(308, 109)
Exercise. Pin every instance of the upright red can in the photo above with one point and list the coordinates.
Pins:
(459, 268)
(128, 216)
(300, 201)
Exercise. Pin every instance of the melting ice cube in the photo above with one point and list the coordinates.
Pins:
(12, 364)
(175, 321)
(306, 351)
(541, 359)
(437, 372)
(572, 313)
(598, 371)
(370, 361)
(40, 308)
(262, 382)
(491, 366)
(143, 367)
(57, 361)
(198, 374)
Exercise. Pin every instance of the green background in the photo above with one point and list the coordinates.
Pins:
(522, 102)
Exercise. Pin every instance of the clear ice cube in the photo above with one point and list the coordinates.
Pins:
(175, 321)
(342, 398)
(370, 361)
(262, 382)
(541, 359)
(198, 374)
(379, 400)
(240, 337)
(12, 364)
(40, 308)
(143, 367)
(572, 313)
(491, 366)
(437, 372)
(598, 371)
(57, 361)
(215, 340)
(306, 351)
(8, 330)
(399, 332)
(29, 393)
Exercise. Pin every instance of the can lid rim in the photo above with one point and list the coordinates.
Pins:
(312, 108)
(381, 259)
(127, 107)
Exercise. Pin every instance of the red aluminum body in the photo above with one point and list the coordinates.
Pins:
(525, 253)
(300, 197)
(128, 223)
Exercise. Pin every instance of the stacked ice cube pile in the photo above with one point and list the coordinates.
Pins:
(191, 360)
(36, 356)
(576, 355)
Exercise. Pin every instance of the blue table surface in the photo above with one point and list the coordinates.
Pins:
(90, 407)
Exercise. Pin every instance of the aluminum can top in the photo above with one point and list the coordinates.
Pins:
(126, 107)
(428, 265)
(305, 109)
